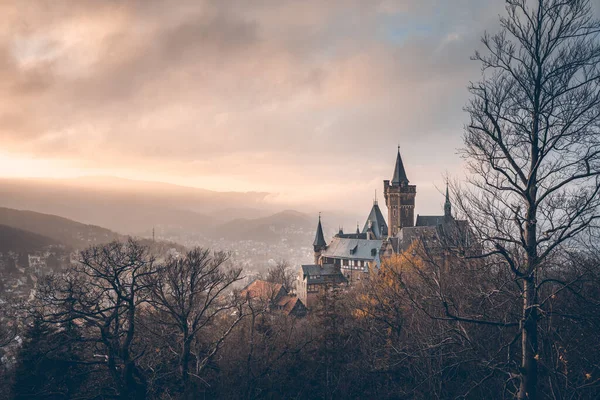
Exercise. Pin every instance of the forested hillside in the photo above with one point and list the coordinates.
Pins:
(17, 240)
(70, 233)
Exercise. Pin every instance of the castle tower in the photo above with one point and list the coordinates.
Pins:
(319, 244)
(399, 199)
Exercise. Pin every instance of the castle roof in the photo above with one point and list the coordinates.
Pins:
(319, 237)
(352, 235)
(399, 172)
(429, 220)
(314, 269)
(354, 249)
(409, 234)
(376, 222)
(446, 233)
(321, 274)
(435, 220)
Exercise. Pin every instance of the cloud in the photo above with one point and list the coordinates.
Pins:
(271, 95)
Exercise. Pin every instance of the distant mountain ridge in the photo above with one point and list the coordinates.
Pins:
(266, 229)
(57, 229)
(177, 213)
(126, 206)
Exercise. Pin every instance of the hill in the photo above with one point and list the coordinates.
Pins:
(57, 229)
(130, 207)
(287, 224)
(18, 240)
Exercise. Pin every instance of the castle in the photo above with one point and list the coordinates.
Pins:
(349, 257)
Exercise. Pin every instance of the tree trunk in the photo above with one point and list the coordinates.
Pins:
(184, 368)
(249, 378)
(134, 384)
(114, 373)
(529, 366)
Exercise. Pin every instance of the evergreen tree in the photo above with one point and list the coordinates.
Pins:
(46, 365)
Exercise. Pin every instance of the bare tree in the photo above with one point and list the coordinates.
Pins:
(104, 292)
(191, 294)
(533, 148)
(282, 273)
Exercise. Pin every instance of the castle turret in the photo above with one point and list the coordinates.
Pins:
(399, 178)
(447, 205)
(399, 198)
(376, 222)
(319, 244)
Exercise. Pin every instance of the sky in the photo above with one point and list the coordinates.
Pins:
(307, 100)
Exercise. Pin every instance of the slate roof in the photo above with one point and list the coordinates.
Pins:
(399, 172)
(409, 234)
(352, 235)
(395, 243)
(353, 249)
(448, 233)
(455, 234)
(319, 237)
(325, 273)
(429, 220)
(377, 222)
(326, 269)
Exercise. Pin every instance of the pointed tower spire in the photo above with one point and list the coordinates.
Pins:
(357, 228)
(376, 222)
(400, 199)
(447, 204)
(319, 244)
(319, 237)
(399, 172)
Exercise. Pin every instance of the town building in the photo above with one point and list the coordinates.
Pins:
(37, 264)
(274, 297)
(315, 280)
